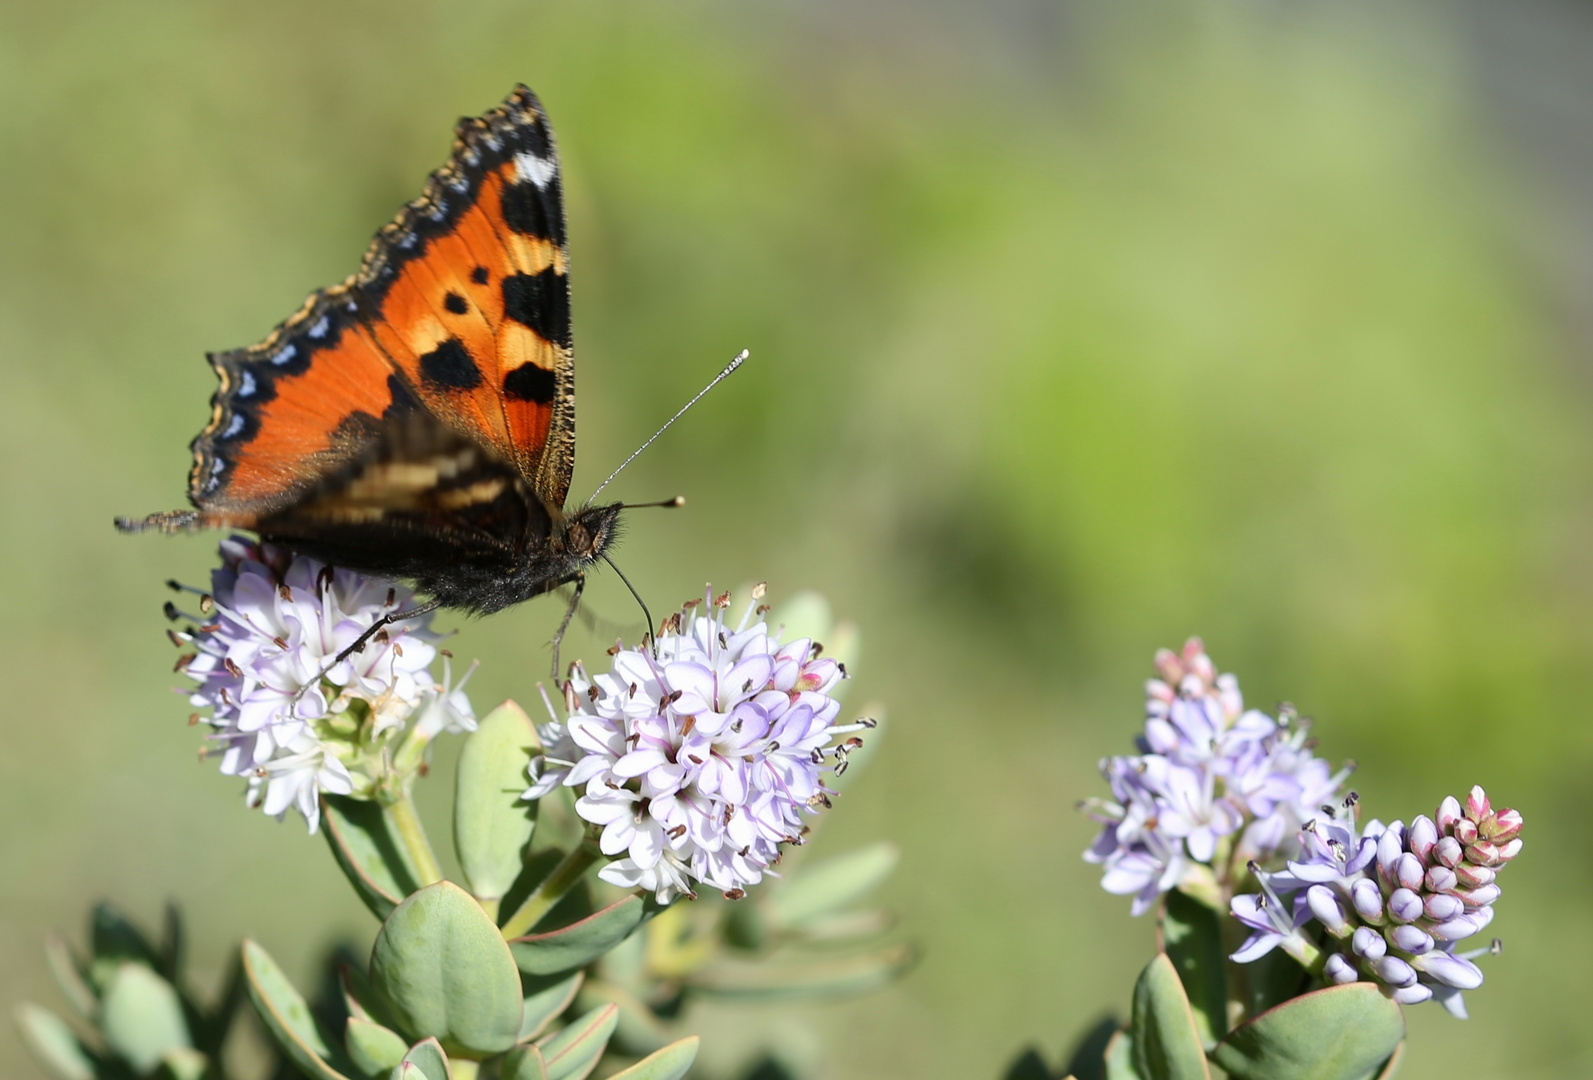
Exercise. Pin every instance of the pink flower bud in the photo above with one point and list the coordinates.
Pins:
(1479, 897)
(1443, 907)
(1482, 853)
(1503, 826)
(1408, 871)
(1449, 852)
(1477, 806)
(1466, 831)
(1441, 879)
(1389, 848)
(1469, 875)
(1448, 814)
(1510, 850)
(1423, 835)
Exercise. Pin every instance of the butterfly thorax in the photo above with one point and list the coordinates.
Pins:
(543, 563)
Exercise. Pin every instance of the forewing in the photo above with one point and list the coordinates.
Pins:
(460, 309)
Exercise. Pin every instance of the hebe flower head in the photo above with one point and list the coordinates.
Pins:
(700, 756)
(1396, 900)
(1215, 783)
(288, 715)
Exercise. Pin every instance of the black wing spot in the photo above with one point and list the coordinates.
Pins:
(479, 275)
(530, 383)
(451, 367)
(533, 211)
(455, 303)
(540, 301)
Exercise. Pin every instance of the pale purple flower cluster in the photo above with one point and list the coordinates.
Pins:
(287, 714)
(699, 756)
(1214, 783)
(1394, 902)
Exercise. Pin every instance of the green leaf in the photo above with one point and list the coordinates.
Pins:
(69, 976)
(372, 1048)
(833, 884)
(670, 1063)
(638, 1030)
(115, 940)
(1166, 1042)
(1191, 935)
(523, 1063)
(492, 824)
(142, 1017)
(428, 1056)
(53, 1043)
(573, 1052)
(826, 979)
(367, 849)
(287, 1017)
(1341, 1033)
(1391, 1066)
(182, 1064)
(1273, 979)
(1119, 1058)
(545, 997)
(444, 970)
(408, 1070)
(581, 942)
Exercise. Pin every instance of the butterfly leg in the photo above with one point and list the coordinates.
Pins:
(564, 624)
(385, 620)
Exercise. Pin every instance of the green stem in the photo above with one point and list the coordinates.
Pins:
(406, 823)
(552, 889)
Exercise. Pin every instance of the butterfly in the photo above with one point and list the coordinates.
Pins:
(417, 421)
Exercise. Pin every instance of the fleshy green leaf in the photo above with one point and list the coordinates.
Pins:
(182, 1064)
(1341, 1033)
(1191, 936)
(1273, 979)
(638, 1031)
(581, 942)
(834, 884)
(287, 1017)
(546, 996)
(407, 1070)
(141, 1017)
(428, 1056)
(444, 970)
(573, 1052)
(114, 940)
(670, 1063)
(523, 1063)
(492, 824)
(1391, 1066)
(372, 1048)
(53, 1043)
(365, 847)
(69, 976)
(1119, 1058)
(1166, 1042)
(825, 979)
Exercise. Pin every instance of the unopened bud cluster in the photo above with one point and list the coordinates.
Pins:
(1394, 901)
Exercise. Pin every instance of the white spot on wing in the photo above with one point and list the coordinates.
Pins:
(234, 426)
(284, 354)
(322, 325)
(246, 384)
(533, 169)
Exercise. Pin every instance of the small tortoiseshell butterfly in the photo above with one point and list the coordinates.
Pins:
(418, 420)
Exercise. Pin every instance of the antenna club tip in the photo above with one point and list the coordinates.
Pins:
(678, 500)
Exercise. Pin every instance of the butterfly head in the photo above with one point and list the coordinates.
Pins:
(590, 530)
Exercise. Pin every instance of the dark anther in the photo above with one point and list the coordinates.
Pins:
(193, 718)
(171, 583)
(392, 596)
(613, 650)
(736, 894)
(279, 643)
(591, 692)
(840, 769)
(232, 669)
(207, 604)
(175, 638)
(170, 611)
(445, 652)
(763, 609)
(185, 659)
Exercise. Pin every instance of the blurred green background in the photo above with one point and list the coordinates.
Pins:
(1076, 330)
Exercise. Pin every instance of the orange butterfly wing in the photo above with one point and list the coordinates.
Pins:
(461, 308)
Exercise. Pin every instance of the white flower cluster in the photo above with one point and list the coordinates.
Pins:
(287, 713)
(698, 757)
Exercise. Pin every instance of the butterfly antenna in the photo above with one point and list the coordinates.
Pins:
(648, 615)
(740, 359)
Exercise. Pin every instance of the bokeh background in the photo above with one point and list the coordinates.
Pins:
(1077, 329)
